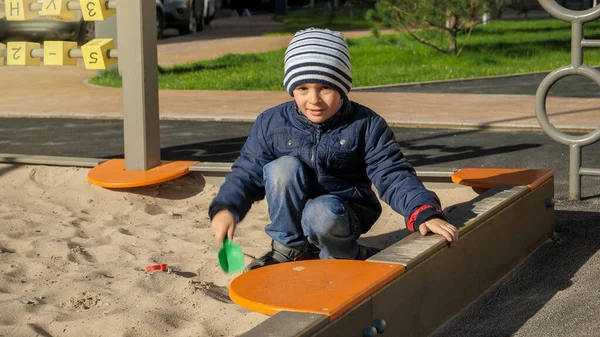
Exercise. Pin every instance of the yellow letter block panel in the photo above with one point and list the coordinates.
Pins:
(56, 53)
(57, 10)
(19, 10)
(95, 54)
(19, 54)
(95, 10)
(2, 53)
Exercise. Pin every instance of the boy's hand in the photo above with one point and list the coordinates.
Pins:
(439, 226)
(223, 224)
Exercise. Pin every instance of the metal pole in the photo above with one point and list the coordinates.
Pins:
(576, 48)
(574, 176)
(136, 21)
(589, 172)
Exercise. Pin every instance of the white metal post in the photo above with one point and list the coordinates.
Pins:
(136, 27)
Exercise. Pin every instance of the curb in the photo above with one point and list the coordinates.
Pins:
(462, 79)
(486, 126)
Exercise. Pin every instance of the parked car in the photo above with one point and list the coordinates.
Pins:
(187, 16)
(43, 28)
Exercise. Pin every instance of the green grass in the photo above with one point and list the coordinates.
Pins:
(499, 48)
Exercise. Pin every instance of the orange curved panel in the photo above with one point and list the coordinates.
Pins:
(490, 177)
(327, 287)
(112, 174)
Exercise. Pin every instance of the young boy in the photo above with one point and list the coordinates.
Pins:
(314, 159)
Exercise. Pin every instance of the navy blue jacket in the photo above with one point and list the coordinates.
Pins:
(346, 153)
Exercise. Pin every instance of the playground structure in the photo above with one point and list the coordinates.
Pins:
(578, 42)
(389, 293)
(136, 29)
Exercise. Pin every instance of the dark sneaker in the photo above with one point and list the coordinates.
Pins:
(365, 252)
(280, 253)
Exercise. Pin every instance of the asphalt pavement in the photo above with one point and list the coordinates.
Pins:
(525, 84)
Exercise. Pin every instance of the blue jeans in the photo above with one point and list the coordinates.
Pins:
(325, 221)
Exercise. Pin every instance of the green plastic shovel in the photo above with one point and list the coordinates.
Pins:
(231, 258)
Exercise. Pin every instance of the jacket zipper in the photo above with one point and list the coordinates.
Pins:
(313, 156)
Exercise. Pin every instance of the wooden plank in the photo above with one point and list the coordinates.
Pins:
(435, 174)
(443, 284)
(289, 324)
(413, 249)
(351, 324)
(421, 171)
(49, 160)
(212, 167)
(214, 173)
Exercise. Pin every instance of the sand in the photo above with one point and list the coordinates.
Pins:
(73, 256)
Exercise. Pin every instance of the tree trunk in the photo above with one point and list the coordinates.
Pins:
(452, 43)
(450, 24)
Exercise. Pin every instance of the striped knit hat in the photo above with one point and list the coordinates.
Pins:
(318, 56)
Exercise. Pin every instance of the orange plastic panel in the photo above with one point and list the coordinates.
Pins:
(328, 287)
(112, 174)
(490, 177)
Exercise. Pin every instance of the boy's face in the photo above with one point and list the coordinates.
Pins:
(317, 102)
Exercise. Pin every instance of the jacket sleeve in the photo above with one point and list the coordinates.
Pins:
(395, 179)
(244, 184)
